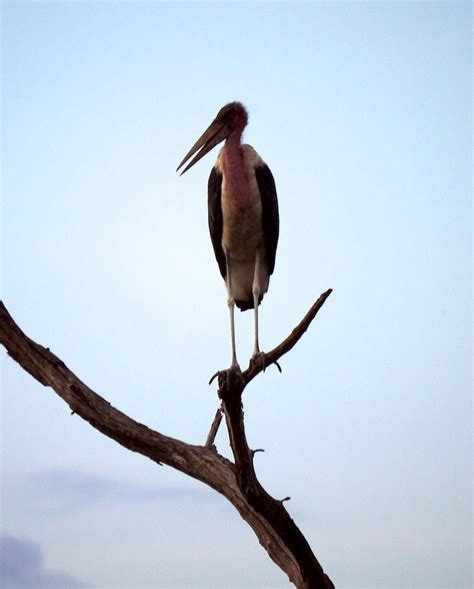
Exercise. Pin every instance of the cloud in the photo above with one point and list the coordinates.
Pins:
(81, 489)
(21, 565)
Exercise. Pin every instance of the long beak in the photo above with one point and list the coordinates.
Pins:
(213, 135)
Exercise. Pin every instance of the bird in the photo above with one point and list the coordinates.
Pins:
(243, 214)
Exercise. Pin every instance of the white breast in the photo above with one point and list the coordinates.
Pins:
(242, 229)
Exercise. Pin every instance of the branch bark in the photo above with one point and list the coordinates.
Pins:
(275, 529)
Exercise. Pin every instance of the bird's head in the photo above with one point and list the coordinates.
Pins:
(232, 118)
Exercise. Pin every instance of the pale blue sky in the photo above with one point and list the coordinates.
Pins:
(363, 113)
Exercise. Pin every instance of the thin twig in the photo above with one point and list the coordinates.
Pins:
(211, 436)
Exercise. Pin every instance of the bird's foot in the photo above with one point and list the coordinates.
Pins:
(230, 382)
(234, 369)
(260, 359)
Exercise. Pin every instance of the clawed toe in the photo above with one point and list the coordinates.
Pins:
(259, 357)
(234, 369)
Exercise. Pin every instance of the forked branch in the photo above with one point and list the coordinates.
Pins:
(288, 343)
(237, 481)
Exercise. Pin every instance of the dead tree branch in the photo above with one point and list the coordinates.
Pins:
(211, 436)
(275, 529)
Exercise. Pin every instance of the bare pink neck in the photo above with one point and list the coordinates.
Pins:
(236, 177)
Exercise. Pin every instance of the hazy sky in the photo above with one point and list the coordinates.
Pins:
(363, 113)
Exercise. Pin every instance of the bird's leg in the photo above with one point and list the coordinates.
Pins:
(256, 290)
(256, 349)
(231, 305)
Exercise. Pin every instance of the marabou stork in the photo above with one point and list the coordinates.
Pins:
(242, 213)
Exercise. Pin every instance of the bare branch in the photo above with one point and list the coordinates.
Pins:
(231, 385)
(211, 436)
(272, 357)
(271, 523)
(49, 370)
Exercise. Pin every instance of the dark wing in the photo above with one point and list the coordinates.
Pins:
(214, 216)
(270, 218)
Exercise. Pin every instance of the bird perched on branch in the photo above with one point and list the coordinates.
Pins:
(242, 213)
